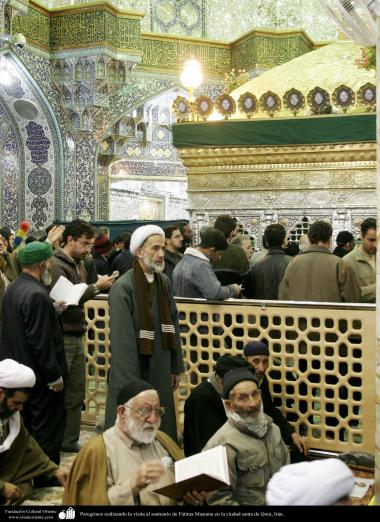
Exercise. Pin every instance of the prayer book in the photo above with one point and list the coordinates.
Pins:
(65, 291)
(205, 471)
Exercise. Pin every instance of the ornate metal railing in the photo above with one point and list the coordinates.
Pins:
(322, 370)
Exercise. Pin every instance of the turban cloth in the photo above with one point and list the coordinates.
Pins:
(35, 252)
(233, 377)
(16, 375)
(141, 234)
(132, 389)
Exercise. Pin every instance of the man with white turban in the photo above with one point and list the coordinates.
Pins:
(145, 341)
(317, 483)
(21, 458)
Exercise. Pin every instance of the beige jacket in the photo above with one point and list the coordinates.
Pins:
(364, 274)
(318, 275)
(251, 461)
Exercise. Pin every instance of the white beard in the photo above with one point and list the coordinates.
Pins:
(139, 432)
(153, 267)
(46, 277)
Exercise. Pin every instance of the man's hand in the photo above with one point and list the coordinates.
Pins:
(237, 289)
(149, 471)
(104, 282)
(55, 233)
(61, 475)
(176, 379)
(57, 386)
(60, 306)
(301, 443)
(10, 491)
(195, 498)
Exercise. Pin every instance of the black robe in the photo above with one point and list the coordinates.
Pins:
(32, 335)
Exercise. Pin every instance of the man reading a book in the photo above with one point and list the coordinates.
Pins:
(124, 465)
(33, 336)
(255, 449)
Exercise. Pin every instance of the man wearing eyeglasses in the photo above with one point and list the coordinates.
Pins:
(126, 464)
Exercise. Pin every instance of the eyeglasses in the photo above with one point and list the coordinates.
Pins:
(144, 412)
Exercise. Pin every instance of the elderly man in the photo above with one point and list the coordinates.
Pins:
(319, 483)
(145, 342)
(33, 336)
(362, 261)
(255, 450)
(204, 409)
(256, 354)
(125, 465)
(21, 458)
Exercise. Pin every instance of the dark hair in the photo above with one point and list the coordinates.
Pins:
(344, 237)
(126, 237)
(77, 229)
(274, 235)
(225, 224)
(182, 227)
(30, 239)
(292, 249)
(212, 238)
(169, 230)
(9, 392)
(367, 225)
(319, 231)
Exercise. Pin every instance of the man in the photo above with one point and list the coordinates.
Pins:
(345, 243)
(173, 244)
(233, 266)
(102, 247)
(244, 242)
(193, 275)
(78, 239)
(7, 236)
(255, 450)
(124, 466)
(9, 270)
(316, 274)
(33, 337)
(22, 460)
(124, 261)
(267, 274)
(323, 482)
(362, 261)
(204, 409)
(145, 342)
(187, 235)
(256, 354)
(303, 243)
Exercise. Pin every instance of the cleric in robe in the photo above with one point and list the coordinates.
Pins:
(144, 329)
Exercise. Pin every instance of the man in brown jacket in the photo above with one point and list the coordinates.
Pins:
(317, 275)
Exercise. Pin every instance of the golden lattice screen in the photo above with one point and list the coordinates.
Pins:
(322, 371)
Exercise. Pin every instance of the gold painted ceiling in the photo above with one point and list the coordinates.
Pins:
(327, 67)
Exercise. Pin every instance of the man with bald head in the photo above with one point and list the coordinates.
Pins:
(145, 342)
(126, 464)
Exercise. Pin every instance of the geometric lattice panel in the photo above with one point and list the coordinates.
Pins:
(321, 367)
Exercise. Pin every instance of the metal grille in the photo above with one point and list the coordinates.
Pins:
(321, 371)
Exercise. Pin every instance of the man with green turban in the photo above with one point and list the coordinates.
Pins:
(32, 336)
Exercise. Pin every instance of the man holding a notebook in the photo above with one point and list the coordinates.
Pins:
(255, 450)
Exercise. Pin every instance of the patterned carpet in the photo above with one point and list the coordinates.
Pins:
(53, 496)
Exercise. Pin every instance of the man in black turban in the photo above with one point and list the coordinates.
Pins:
(204, 409)
(128, 462)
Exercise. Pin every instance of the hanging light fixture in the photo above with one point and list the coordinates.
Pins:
(191, 76)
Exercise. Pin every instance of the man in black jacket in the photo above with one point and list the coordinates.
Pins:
(256, 354)
(34, 337)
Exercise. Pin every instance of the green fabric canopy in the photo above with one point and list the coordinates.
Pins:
(310, 130)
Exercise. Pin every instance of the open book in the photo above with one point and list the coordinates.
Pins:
(204, 471)
(65, 291)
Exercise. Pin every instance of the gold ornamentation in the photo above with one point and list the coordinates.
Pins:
(225, 105)
(319, 101)
(343, 97)
(248, 104)
(366, 96)
(294, 101)
(181, 108)
(203, 106)
(270, 103)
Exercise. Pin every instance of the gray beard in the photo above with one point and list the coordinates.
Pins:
(153, 267)
(257, 425)
(46, 277)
